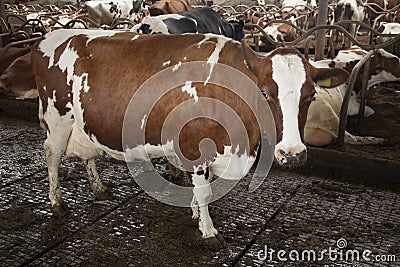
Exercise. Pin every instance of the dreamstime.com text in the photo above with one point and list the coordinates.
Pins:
(336, 254)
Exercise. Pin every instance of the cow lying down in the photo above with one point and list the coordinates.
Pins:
(17, 79)
(202, 20)
(322, 124)
(82, 105)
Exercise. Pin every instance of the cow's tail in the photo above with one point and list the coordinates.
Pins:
(361, 140)
(42, 122)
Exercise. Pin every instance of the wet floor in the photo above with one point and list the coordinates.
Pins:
(291, 220)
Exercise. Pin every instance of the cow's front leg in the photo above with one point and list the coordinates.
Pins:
(101, 192)
(195, 208)
(202, 193)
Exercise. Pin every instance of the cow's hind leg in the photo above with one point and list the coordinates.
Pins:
(101, 192)
(202, 193)
(54, 146)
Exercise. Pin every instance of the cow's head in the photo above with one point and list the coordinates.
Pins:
(17, 80)
(343, 11)
(238, 29)
(288, 81)
(384, 66)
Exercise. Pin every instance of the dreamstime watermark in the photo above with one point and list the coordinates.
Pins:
(174, 107)
(337, 254)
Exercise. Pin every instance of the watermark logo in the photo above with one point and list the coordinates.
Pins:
(174, 107)
(341, 243)
(338, 254)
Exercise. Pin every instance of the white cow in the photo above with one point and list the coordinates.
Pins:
(323, 115)
(387, 28)
(300, 5)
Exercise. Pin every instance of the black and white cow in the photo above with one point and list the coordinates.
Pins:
(104, 12)
(203, 20)
(349, 10)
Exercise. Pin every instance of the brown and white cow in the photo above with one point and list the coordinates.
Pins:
(17, 80)
(322, 124)
(163, 7)
(280, 32)
(86, 80)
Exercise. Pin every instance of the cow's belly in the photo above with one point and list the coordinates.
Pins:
(232, 166)
(80, 145)
(148, 151)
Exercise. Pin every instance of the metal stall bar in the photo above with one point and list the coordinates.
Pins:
(346, 97)
(8, 46)
(360, 119)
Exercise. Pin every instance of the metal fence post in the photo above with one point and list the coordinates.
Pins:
(346, 97)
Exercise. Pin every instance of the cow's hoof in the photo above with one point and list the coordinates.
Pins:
(215, 243)
(104, 195)
(61, 209)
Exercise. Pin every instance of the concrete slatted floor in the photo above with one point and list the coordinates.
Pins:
(290, 211)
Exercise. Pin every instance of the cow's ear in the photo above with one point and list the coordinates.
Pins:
(329, 77)
(252, 60)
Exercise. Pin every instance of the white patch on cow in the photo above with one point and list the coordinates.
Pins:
(381, 77)
(272, 31)
(93, 34)
(206, 38)
(190, 90)
(86, 86)
(355, 53)
(135, 37)
(78, 110)
(386, 54)
(214, 57)
(156, 23)
(176, 67)
(230, 165)
(67, 61)
(143, 121)
(79, 145)
(391, 28)
(195, 22)
(289, 97)
(56, 38)
(57, 124)
(199, 168)
(166, 63)
(52, 40)
(69, 105)
(148, 151)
